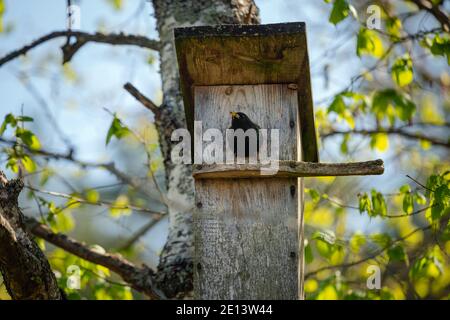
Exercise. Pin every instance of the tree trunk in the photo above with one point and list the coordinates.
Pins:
(26, 272)
(175, 268)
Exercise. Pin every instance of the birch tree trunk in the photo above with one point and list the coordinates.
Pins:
(175, 269)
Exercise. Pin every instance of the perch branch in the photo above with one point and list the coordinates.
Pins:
(288, 169)
(81, 39)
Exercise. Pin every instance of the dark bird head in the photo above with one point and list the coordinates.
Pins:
(240, 120)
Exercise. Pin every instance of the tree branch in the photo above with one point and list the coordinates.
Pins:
(149, 104)
(77, 199)
(69, 156)
(440, 16)
(81, 39)
(139, 233)
(139, 278)
(393, 131)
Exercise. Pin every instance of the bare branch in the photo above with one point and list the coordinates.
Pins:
(81, 39)
(109, 204)
(149, 104)
(392, 131)
(141, 232)
(139, 278)
(440, 16)
(420, 184)
(69, 156)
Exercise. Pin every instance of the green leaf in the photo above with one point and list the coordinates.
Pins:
(28, 138)
(429, 266)
(368, 42)
(357, 241)
(64, 222)
(2, 11)
(439, 193)
(381, 239)
(338, 105)
(12, 164)
(408, 204)
(402, 71)
(405, 189)
(315, 196)
(397, 253)
(117, 129)
(24, 119)
(389, 98)
(8, 120)
(378, 204)
(394, 26)
(327, 247)
(379, 141)
(28, 164)
(116, 4)
(339, 12)
(120, 206)
(420, 198)
(365, 205)
(92, 196)
(438, 46)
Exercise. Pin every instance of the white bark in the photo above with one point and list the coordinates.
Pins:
(175, 267)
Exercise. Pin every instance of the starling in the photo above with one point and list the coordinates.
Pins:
(240, 120)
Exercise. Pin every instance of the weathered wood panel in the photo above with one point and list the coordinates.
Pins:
(246, 230)
(244, 55)
(246, 239)
(269, 106)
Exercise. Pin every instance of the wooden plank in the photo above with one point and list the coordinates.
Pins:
(246, 239)
(242, 54)
(248, 54)
(245, 231)
(308, 133)
(288, 169)
(269, 106)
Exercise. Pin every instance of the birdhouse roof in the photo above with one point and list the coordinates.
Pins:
(248, 55)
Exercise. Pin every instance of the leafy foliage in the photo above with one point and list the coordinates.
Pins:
(117, 129)
(369, 43)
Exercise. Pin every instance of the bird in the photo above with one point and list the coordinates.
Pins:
(240, 120)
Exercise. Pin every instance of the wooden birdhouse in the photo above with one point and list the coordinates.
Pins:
(248, 226)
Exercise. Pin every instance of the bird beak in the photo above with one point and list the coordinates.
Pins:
(234, 114)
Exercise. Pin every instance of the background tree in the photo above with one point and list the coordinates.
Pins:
(396, 104)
